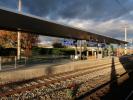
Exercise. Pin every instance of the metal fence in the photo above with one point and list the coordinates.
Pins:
(11, 62)
(8, 62)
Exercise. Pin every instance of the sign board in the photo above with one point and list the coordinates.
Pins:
(68, 42)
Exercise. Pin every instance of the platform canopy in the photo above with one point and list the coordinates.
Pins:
(14, 21)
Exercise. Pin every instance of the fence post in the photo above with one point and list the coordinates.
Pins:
(15, 62)
(0, 63)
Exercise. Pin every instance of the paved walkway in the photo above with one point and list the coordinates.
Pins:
(37, 70)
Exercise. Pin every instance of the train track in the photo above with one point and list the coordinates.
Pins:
(102, 90)
(109, 87)
(60, 82)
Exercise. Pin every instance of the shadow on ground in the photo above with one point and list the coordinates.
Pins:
(120, 88)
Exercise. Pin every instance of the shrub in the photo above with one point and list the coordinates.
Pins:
(54, 51)
(8, 51)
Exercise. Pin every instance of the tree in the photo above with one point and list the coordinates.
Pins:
(8, 39)
(27, 42)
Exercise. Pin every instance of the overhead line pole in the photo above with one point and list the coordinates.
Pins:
(19, 33)
(125, 39)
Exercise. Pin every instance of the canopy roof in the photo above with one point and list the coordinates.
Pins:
(28, 23)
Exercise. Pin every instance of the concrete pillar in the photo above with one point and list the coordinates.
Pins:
(80, 51)
(87, 53)
(109, 53)
(95, 54)
(91, 53)
(76, 51)
(119, 50)
(125, 49)
(19, 45)
(97, 50)
(15, 62)
(0, 62)
(102, 52)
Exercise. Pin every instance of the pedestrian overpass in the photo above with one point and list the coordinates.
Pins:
(15, 21)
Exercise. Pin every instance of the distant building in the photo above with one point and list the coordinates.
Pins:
(44, 45)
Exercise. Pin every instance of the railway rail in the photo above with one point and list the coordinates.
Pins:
(103, 89)
(61, 86)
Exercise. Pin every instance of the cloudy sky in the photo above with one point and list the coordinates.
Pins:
(106, 17)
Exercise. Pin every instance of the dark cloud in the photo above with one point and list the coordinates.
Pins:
(9, 3)
(98, 11)
(81, 9)
(41, 7)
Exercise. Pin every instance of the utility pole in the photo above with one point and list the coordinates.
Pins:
(19, 33)
(125, 39)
